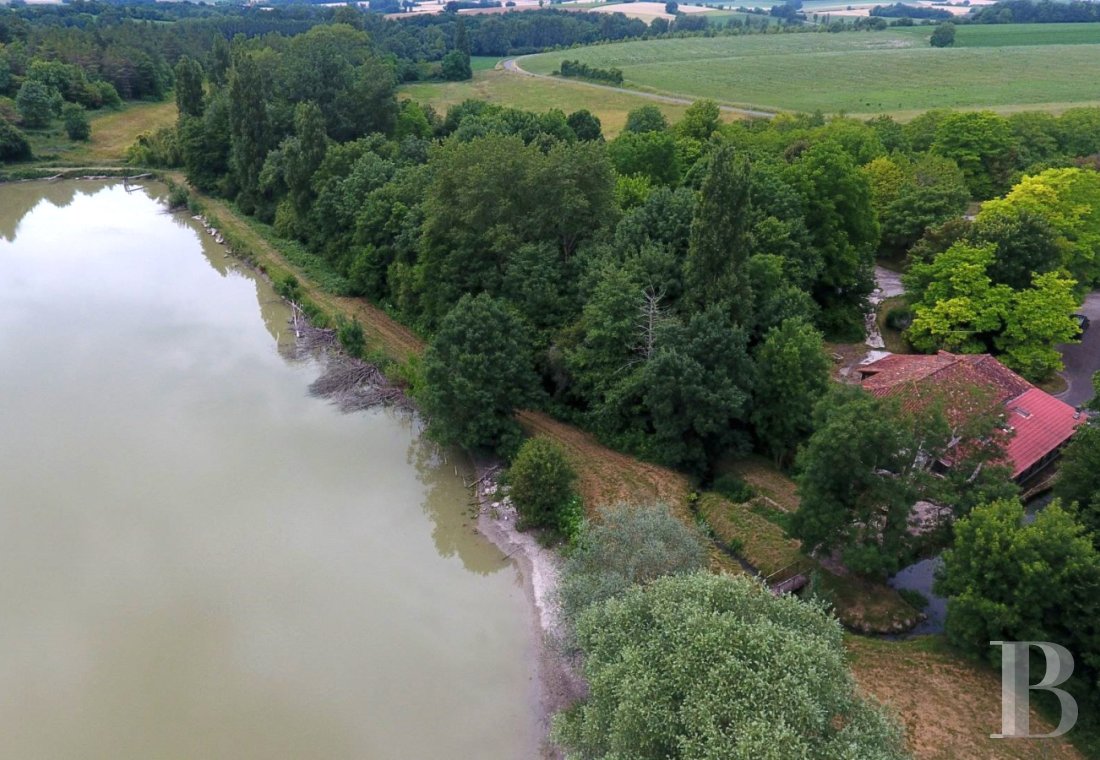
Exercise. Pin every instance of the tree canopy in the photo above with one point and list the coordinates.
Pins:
(1009, 580)
(869, 461)
(477, 371)
(958, 307)
(665, 681)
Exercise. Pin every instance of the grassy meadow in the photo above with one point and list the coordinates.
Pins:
(112, 133)
(1033, 66)
(529, 93)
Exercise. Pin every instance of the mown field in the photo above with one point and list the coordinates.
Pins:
(533, 94)
(1004, 35)
(1041, 66)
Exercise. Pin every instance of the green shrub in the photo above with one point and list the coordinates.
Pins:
(455, 66)
(289, 288)
(13, 144)
(541, 483)
(899, 318)
(178, 197)
(106, 94)
(77, 126)
(160, 149)
(629, 544)
(733, 488)
(352, 338)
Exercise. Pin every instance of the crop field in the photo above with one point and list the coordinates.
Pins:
(1042, 66)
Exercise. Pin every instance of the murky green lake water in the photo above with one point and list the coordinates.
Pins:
(197, 559)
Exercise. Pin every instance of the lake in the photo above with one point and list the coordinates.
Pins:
(197, 558)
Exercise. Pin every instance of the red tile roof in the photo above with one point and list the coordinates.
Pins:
(965, 383)
(1042, 424)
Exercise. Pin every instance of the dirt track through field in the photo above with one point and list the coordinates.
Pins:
(511, 65)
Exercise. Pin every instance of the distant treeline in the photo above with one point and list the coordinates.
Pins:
(901, 10)
(1007, 12)
(454, 6)
(584, 71)
(1031, 12)
(424, 36)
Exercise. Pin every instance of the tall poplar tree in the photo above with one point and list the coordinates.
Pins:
(720, 241)
(249, 127)
(189, 95)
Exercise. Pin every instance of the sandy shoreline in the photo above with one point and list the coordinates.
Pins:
(557, 684)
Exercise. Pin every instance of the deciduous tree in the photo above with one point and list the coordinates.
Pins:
(943, 35)
(665, 681)
(38, 103)
(477, 371)
(540, 482)
(857, 481)
(646, 119)
(189, 94)
(1007, 580)
(714, 272)
(841, 221)
(983, 146)
(792, 377)
(629, 544)
(1079, 478)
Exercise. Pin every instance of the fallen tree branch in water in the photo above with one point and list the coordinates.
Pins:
(311, 339)
(354, 385)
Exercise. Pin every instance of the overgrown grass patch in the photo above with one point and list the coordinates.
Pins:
(483, 62)
(313, 266)
(767, 480)
(864, 605)
(775, 516)
(948, 704)
(757, 540)
(113, 131)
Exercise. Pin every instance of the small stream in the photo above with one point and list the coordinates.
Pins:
(921, 576)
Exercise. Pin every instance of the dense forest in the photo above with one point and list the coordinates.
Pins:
(673, 290)
(644, 275)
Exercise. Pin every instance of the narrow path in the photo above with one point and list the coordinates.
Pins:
(888, 281)
(511, 65)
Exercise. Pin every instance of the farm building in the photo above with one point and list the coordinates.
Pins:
(1040, 424)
